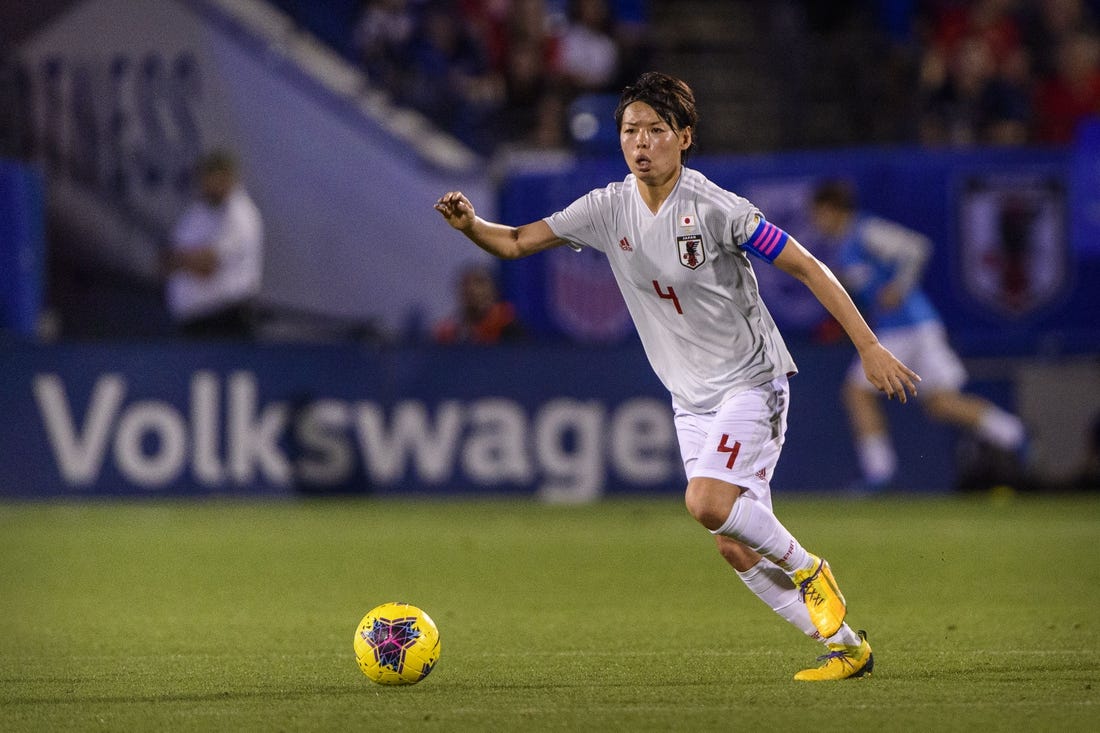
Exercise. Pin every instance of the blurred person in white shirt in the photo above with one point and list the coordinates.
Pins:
(215, 259)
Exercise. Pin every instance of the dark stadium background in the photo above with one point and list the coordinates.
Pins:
(105, 104)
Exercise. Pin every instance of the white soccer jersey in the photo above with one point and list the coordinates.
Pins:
(688, 283)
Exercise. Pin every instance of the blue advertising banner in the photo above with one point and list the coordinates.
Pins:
(181, 419)
(1014, 270)
(563, 423)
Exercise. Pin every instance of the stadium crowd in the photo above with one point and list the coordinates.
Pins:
(503, 72)
(1007, 71)
(499, 71)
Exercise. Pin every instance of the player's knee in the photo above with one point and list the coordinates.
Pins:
(937, 405)
(709, 501)
(854, 395)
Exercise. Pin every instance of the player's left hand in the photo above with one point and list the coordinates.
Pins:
(888, 374)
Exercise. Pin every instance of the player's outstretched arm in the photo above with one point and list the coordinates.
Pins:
(497, 239)
(882, 368)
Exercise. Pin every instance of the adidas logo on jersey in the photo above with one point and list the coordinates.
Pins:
(624, 243)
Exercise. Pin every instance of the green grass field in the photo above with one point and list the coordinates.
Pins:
(617, 616)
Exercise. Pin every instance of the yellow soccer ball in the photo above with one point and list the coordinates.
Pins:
(396, 644)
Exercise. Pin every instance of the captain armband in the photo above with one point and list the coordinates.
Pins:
(767, 241)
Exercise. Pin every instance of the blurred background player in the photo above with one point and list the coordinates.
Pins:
(215, 261)
(881, 263)
(482, 317)
(679, 247)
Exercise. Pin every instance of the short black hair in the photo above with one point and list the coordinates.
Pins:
(671, 98)
(835, 194)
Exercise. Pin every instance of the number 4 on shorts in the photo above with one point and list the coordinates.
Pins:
(733, 450)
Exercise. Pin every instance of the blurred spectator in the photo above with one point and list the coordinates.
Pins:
(589, 54)
(533, 106)
(533, 96)
(215, 259)
(1046, 23)
(1009, 98)
(1007, 72)
(382, 38)
(991, 72)
(632, 36)
(970, 98)
(1073, 93)
(489, 21)
(500, 71)
(451, 81)
(994, 21)
(482, 317)
(975, 76)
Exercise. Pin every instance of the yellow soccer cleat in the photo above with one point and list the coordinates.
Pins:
(841, 663)
(818, 590)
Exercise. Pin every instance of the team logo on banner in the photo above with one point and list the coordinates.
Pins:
(692, 254)
(1014, 248)
(583, 298)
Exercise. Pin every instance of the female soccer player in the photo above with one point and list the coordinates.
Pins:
(678, 246)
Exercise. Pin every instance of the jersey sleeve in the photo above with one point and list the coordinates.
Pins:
(766, 240)
(578, 223)
(905, 250)
(738, 224)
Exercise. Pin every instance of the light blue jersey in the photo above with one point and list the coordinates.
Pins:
(875, 252)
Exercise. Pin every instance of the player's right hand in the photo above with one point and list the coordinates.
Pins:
(456, 209)
(888, 374)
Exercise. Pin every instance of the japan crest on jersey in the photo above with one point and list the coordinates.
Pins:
(690, 248)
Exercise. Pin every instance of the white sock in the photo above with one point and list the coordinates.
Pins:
(845, 636)
(779, 593)
(877, 458)
(751, 523)
(1002, 429)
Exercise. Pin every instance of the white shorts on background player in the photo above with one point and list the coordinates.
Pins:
(922, 347)
(740, 442)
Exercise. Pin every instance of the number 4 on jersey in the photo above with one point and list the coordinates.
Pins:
(669, 294)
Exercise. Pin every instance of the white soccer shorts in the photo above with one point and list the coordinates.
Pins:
(924, 349)
(740, 442)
